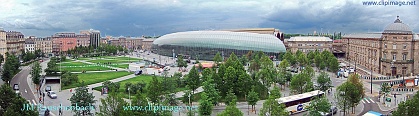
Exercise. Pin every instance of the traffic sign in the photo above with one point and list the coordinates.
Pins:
(300, 107)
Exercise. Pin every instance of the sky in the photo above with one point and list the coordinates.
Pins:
(43, 18)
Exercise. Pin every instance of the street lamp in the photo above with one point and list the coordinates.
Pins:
(372, 62)
(403, 72)
(129, 96)
(356, 60)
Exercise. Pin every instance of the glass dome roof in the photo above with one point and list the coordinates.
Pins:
(223, 39)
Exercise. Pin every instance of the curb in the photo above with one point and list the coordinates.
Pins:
(379, 106)
(358, 114)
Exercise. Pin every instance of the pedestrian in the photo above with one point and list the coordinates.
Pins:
(71, 90)
(40, 98)
(60, 112)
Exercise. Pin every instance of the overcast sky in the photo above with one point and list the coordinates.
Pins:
(158, 17)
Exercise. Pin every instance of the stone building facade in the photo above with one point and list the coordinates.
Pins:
(392, 52)
(15, 42)
(309, 43)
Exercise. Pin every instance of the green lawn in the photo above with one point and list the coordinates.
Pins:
(124, 66)
(87, 68)
(72, 64)
(111, 61)
(127, 58)
(141, 78)
(92, 78)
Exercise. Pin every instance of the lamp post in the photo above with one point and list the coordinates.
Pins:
(129, 96)
(356, 60)
(372, 61)
(403, 72)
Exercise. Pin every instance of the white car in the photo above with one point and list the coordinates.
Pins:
(52, 94)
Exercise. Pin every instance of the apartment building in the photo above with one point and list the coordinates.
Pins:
(147, 43)
(62, 42)
(83, 40)
(309, 43)
(127, 42)
(45, 45)
(15, 42)
(94, 36)
(3, 45)
(30, 45)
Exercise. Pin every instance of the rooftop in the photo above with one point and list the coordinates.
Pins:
(397, 27)
(363, 35)
(309, 38)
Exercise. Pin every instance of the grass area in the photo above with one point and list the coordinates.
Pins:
(72, 64)
(141, 78)
(92, 78)
(111, 61)
(126, 58)
(124, 66)
(87, 68)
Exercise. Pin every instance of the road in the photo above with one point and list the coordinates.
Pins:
(22, 79)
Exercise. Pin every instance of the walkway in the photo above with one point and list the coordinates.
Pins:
(121, 69)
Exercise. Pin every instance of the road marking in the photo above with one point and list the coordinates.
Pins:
(26, 91)
(34, 102)
(366, 100)
(363, 101)
(372, 100)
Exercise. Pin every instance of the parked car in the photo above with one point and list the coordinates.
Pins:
(333, 110)
(48, 88)
(138, 72)
(52, 94)
(166, 68)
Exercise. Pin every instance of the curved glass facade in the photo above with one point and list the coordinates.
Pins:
(205, 44)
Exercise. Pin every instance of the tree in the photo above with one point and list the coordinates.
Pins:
(283, 66)
(252, 98)
(229, 79)
(112, 105)
(342, 95)
(271, 107)
(211, 91)
(10, 67)
(300, 83)
(114, 87)
(193, 79)
(52, 67)
(82, 99)
(289, 57)
(217, 58)
(68, 78)
(308, 71)
(186, 97)
(358, 93)
(319, 105)
(409, 107)
(324, 81)
(244, 60)
(7, 97)
(180, 62)
(334, 64)
(310, 57)
(385, 88)
(228, 100)
(205, 105)
(231, 110)
(302, 59)
(140, 99)
(36, 72)
(1, 59)
(154, 90)
(15, 109)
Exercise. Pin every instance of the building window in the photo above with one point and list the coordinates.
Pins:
(404, 46)
(394, 56)
(404, 56)
(394, 46)
(404, 37)
(385, 45)
(394, 37)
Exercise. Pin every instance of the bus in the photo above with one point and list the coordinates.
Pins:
(372, 113)
(299, 103)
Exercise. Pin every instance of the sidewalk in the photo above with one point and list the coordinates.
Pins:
(121, 69)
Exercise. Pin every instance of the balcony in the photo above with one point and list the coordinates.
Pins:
(397, 61)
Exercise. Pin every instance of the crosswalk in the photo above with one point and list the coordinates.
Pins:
(367, 100)
(32, 102)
